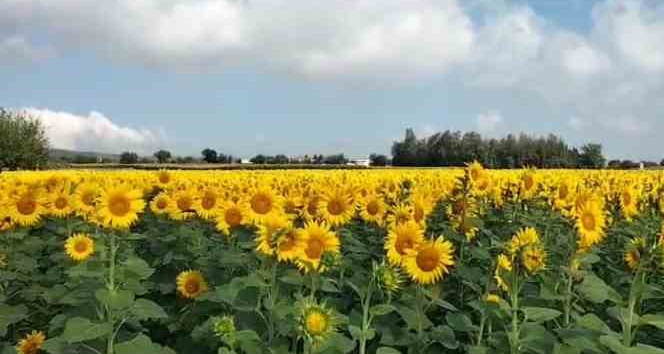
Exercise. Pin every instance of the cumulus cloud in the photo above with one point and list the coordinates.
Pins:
(488, 122)
(94, 132)
(614, 71)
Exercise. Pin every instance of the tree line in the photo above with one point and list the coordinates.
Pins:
(454, 148)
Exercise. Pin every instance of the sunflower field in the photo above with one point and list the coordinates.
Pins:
(331, 262)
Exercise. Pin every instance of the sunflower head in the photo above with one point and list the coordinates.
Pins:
(317, 240)
(317, 322)
(118, 207)
(232, 215)
(402, 238)
(224, 329)
(79, 247)
(634, 252)
(430, 261)
(523, 238)
(590, 224)
(389, 278)
(31, 343)
(534, 259)
(191, 284)
(492, 299)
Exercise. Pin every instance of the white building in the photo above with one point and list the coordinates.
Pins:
(359, 162)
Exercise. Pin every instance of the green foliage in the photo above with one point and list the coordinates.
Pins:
(23, 141)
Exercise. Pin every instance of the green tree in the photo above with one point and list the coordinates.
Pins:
(378, 160)
(23, 141)
(591, 156)
(128, 157)
(162, 156)
(209, 155)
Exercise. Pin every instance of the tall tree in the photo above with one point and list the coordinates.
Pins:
(591, 156)
(162, 156)
(23, 141)
(209, 155)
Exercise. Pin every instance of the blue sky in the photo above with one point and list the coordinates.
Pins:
(295, 77)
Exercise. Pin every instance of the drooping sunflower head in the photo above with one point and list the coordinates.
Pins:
(31, 343)
(191, 284)
(85, 197)
(504, 263)
(119, 206)
(523, 238)
(269, 229)
(401, 238)
(317, 322)
(79, 247)
(289, 244)
(634, 252)
(400, 213)
(317, 239)
(430, 261)
(534, 259)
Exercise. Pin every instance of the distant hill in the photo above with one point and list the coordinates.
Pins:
(81, 156)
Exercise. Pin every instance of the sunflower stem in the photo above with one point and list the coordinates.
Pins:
(366, 318)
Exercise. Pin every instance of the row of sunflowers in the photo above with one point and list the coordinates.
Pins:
(369, 261)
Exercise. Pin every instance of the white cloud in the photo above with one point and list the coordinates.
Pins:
(94, 132)
(488, 122)
(16, 49)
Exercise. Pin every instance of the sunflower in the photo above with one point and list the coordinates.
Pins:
(262, 202)
(6, 223)
(207, 204)
(336, 207)
(317, 322)
(529, 185)
(388, 278)
(533, 259)
(160, 204)
(317, 239)
(492, 299)
(289, 245)
(118, 207)
(164, 179)
(372, 209)
(590, 223)
(504, 263)
(428, 263)
(79, 247)
(191, 284)
(633, 253)
(402, 238)
(26, 207)
(60, 204)
(475, 171)
(182, 206)
(31, 343)
(85, 197)
(400, 213)
(311, 208)
(629, 202)
(268, 229)
(524, 237)
(231, 215)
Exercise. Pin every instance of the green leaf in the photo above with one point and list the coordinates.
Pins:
(445, 336)
(653, 320)
(10, 315)
(478, 350)
(138, 267)
(381, 310)
(141, 344)
(249, 341)
(55, 345)
(591, 321)
(387, 350)
(597, 291)
(540, 314)
(144, 309)
(459, 322)
(78, 329)
(116, 300)
(410, 317)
